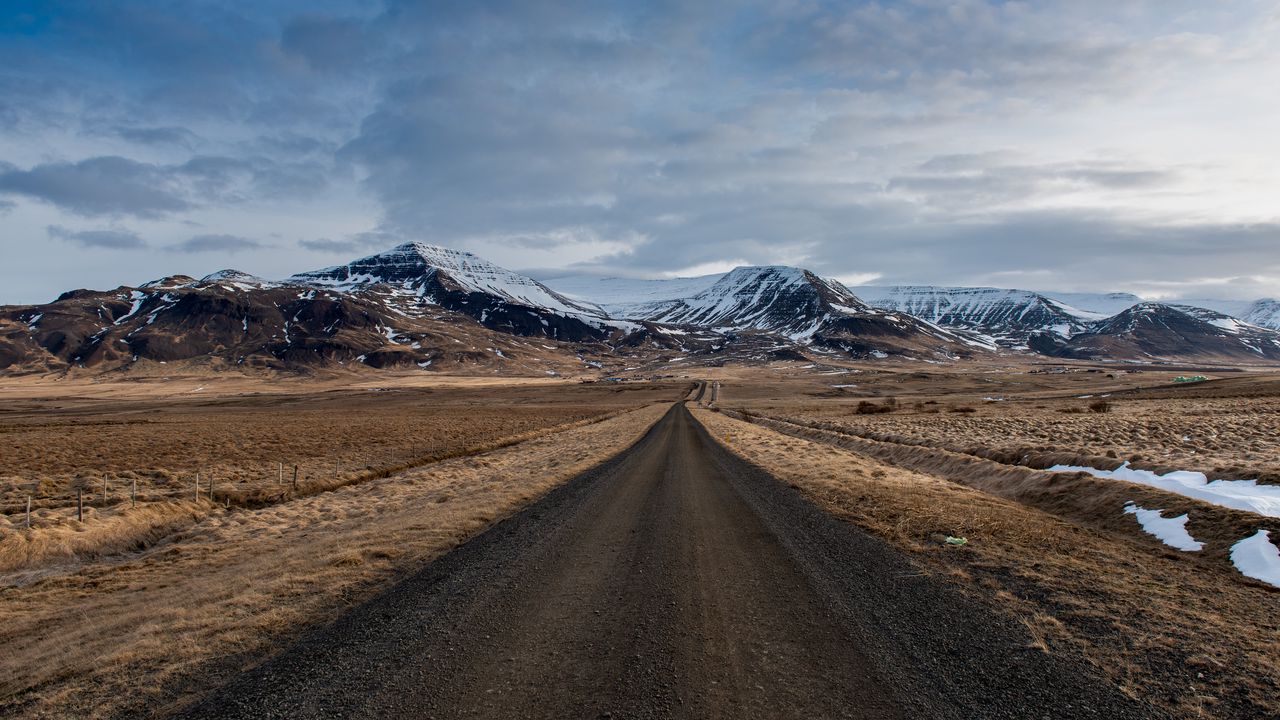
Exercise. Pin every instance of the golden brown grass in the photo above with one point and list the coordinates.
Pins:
(53, 446)
(114, 638)
(1078, 497)
(1189, 635)
(108, 444)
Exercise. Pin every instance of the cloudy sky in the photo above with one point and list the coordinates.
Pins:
(1074, 145)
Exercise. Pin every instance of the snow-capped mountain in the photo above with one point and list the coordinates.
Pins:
(1102, 304)
(1158, 331)
(1263, 313)
(1007, 316)
(806, 309)
(229, 320)
(628, 298)
(775, 298)
(424, 267)
(466, 283)
(235, 279)
(432, 307)
(1234, 308)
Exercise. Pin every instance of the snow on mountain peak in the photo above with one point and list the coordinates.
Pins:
(767, 297)
(235, 278)
(417, 264)
(1264, 313)
(1008, 316)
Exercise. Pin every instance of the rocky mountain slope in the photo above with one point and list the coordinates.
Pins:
(1009, 317)
(230, 320)
(1155, 331)
(414, 305)
(807, 309)
(424, 306)
(1012, 317)
(497, 298)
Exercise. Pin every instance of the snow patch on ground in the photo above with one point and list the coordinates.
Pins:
(1245, 495)
(1256, 557)
(1170, 531)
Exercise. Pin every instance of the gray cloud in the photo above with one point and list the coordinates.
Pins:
(236, 179)
(98, 186)
(327, 43)
(178, 136)
(331, 246)
(112, 185)
(945, 142)
(354, 243)
(112, 239)
(216, 243)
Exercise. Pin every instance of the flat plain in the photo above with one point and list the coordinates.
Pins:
(147, 606)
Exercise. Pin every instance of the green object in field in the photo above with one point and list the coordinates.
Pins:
(957, 540)
(1192, 378)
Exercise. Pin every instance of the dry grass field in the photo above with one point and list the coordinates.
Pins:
(1183, 630)
(1229, 435)
(244, 442)
(127, 631)
(138, 610)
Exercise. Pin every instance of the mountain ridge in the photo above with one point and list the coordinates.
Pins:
(432, 307)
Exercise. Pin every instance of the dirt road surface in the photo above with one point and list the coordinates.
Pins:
(674, 581)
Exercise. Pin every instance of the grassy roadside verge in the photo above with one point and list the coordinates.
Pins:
(123, 638)
(1193, 640)
(1078, 498)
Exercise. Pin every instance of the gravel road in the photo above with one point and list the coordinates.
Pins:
(674, 581)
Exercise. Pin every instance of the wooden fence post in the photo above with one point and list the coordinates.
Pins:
(295, 477)
(79, 504)
(133, 494)
(197, 487)
(281, 480)
(28, 512)
(104, 491)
